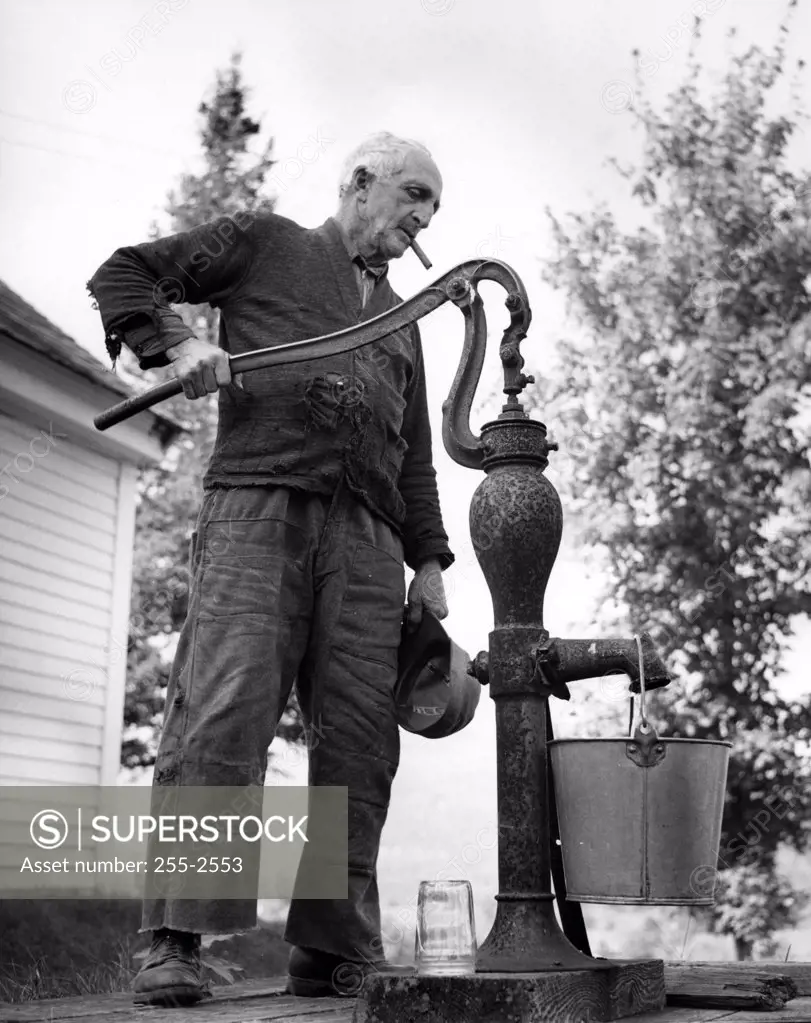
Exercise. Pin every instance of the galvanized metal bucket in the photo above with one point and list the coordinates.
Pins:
(640, 816)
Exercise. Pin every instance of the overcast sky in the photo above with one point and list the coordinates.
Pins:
(520, 101)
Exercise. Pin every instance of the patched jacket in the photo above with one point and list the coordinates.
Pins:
(362, 415)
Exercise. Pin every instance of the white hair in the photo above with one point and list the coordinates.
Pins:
(382, 154)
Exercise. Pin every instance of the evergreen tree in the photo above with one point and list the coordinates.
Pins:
(231, 180)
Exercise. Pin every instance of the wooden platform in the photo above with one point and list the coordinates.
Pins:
(265, 1002)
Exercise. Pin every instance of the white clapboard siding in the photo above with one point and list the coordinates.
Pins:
(50, 562)
(28, 771)
(35, 716)
(81, 544)
(45, 498)
(56, 597)
(31, 578)
(74, 461)
(85, 486)
(73, 626)
(52, 749)
(71, 652)
(15, 806)
(21, 699)
(72, 560)
(59, 518)
(18, 834)
(56, 471)
(46, 676)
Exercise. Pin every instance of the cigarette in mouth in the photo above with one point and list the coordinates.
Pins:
(426, 262)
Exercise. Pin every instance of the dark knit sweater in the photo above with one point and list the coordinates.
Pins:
(362, 415)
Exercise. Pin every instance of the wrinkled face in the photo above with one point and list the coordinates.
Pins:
(393, 209)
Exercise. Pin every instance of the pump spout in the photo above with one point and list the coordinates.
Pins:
(558, 661)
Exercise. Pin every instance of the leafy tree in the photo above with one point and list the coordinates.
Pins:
(684, 402)
(230, 181)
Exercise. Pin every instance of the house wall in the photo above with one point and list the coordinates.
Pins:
(59, 511)
(67, 514)
(66, 538)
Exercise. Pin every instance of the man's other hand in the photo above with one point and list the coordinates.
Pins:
(201, 368)
(426, 592)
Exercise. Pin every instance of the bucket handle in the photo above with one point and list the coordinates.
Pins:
(643, 747)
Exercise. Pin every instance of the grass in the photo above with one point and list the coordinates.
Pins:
(60, 948)
(63, 948)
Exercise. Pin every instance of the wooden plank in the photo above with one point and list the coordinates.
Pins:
(55, 709)
(261, 1001)
(52, 453)
(17, 806)
(50, 479)
(41, 520)
(55, 472)
(119, 623)
(229, 1005)
(78, 628)
(39, 642)
(57, 750)
(92, 587)
(726, 986)
(26, 580)
(14, 771)
(36, 491)
(55, 601)
(51, 678)
(798, 1010)
(800, 973)
(24, 726)
(84, 456)
(17, 533)
(670, 1015)
(114, 1004)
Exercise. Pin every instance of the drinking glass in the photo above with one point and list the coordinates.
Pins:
(446, 932)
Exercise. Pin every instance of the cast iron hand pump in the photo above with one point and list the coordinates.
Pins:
(515, 527)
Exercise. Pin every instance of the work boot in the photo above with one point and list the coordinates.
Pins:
(172, 973)
(315, 974)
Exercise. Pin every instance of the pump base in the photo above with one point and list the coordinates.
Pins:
(630, 987)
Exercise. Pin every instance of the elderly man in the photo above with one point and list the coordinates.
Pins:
(319, 488)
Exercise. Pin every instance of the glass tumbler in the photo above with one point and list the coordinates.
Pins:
(446, 931)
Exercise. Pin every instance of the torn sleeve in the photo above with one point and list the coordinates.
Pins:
(136, 287)
(424, 534)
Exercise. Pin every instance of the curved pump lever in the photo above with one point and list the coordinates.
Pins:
(458, 286)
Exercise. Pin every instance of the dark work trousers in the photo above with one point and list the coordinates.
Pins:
(289, 586)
